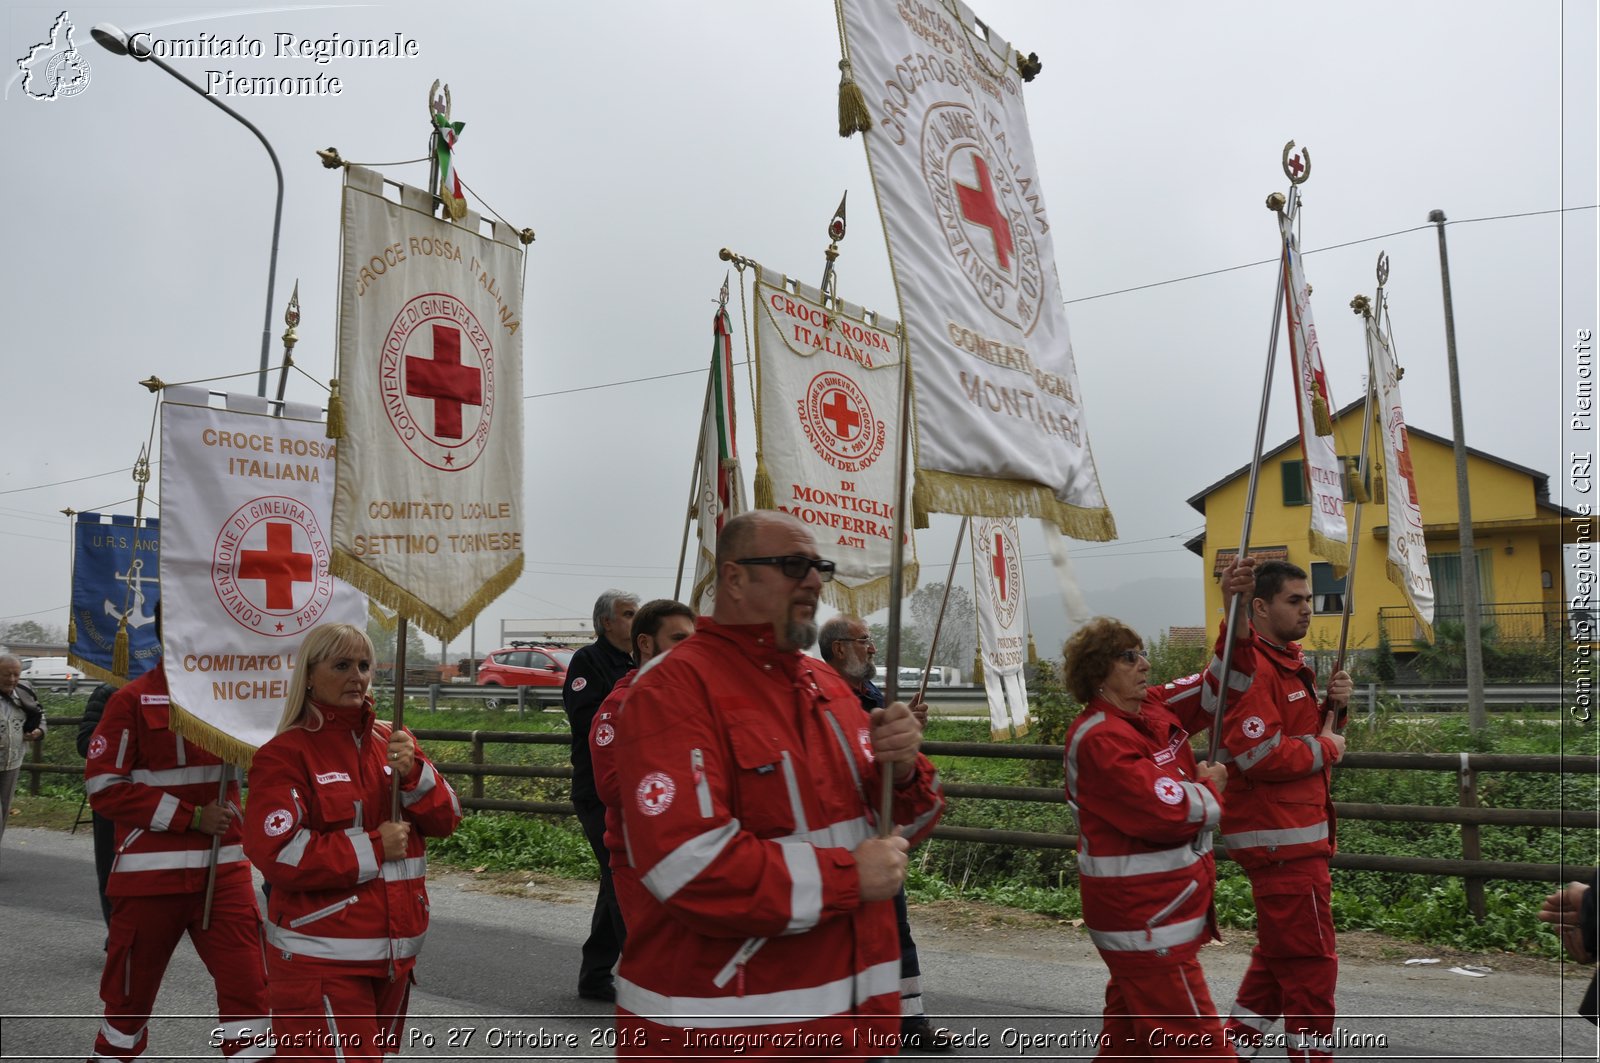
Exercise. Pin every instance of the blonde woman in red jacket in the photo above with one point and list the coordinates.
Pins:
(349, 902)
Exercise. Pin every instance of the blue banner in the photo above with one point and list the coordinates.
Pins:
(114, 572)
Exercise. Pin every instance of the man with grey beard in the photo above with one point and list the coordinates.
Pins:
(749, 783)
(846, 644)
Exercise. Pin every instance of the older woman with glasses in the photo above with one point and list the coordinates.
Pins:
(1145, 811)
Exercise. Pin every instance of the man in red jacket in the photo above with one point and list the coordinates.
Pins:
(749, 779)
(161, 792)
(1278, 823)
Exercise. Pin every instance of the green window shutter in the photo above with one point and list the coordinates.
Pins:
(1294, 483)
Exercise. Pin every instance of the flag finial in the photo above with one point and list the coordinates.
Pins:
(836, 230)
(1296, 167)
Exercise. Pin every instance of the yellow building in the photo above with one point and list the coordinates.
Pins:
(1517, 534)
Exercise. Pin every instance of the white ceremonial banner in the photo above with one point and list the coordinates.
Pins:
(1002, 622)
(245, 550)
(428, 507)
(1407, 564)
(999, 411)
(827, 432)
(1325, 478)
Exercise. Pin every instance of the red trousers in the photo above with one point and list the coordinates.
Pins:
(1160, 1011)
(144, 933)
(1294, 967)
(335, 1017)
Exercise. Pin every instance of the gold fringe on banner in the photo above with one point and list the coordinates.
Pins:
(1335, 553)
(72, 629)
(1319, 415)
(853, 114)
(119, 650)
(1399, 578)
(335, 411)
(948, 492)
(868, 598)
(1021, 730)
(763, 487)
(217, 742)
(392, 596)
(919, 505)
(94, 671)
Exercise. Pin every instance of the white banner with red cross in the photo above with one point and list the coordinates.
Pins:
(245, 551)
(427, 512)
(1000, 414)
(1407, 564)
(1002, 622)
(827, 433)
(1324, 471)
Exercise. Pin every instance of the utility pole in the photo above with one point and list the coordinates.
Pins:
(1477, 716)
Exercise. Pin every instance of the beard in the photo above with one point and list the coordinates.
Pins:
(856, 673)
(800, 633)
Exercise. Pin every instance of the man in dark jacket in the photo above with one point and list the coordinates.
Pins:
(105, 831)
(594, 670)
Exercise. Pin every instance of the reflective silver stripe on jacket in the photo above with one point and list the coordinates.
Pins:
(1072, 752)
(101, 783)
(170, 777)
(366, 862)
(166, 808)
(122, 747)
(846, 835)
(404, 870)
(750, 947)
(425, 783)
(805, 886)
(762, 1009)
(323, 913)
(180, 860)
(1253, 756)
(848, 750)
(912, 829)
(796, 806)
(1204, 808)
(1137, 863)
(1316, 750)
(1237, 680)
(294, 850)
(1161, 937)
(1259, 839)
(352, 949)
(679, 867)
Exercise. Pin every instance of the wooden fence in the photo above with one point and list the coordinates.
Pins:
(469, 777)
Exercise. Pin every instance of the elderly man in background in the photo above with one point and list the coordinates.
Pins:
(594, 670)
(750, 779)
(21, 721)
(847, 645)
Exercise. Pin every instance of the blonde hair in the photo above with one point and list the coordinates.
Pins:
(321, 643)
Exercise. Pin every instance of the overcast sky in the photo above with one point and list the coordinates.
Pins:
(638, 138)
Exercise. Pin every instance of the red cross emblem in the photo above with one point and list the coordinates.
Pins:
(1000, 564)
(1168, 791)
(1402, 458)
(979, 206)
(841, 413)
(655, 793)
(277, 822)
(278, 565)
(1254, 727)
(604, 734)
(446, 381)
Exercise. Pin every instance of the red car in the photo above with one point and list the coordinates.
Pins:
(524, 664)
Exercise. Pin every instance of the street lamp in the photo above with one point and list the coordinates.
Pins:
(117, 42)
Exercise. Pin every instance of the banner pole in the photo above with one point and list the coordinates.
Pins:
(1363, 464)
(694, 481)
(938, 624)
(216, 851)
(897, 568)
(401, 629)
(1286, 206)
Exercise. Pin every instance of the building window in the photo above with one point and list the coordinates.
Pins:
(1295, 492)
(1446, 572)
(1327, 593)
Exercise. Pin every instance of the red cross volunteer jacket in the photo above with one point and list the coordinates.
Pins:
(746, 782)
(316, 800)
(149, 781)
(1278, 803)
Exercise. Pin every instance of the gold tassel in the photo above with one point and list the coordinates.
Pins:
(119, 650)
(335, 411)
(977, 669)
(1033, 651)
(919, 505)
(72, 630)
(764, 497)
(853, 114)
(1353, 485)
(1319, 415)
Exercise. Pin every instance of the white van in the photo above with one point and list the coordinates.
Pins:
(48, 668)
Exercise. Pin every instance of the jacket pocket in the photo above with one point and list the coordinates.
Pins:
(733, 970)
(322, 913)
(1172, 905)
(768, 789)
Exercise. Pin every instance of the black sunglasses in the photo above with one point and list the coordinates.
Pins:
(794, 566)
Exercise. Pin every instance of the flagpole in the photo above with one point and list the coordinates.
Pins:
(694, 480)
(216, 851)
(1286, 206)
(944, 600)
(897, 569)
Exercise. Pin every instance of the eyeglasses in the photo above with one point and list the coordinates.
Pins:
(1131, 656)
(794, 566)
(865, 640)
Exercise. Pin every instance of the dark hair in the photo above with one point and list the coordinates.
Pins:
(650, 617)
(1271, 576)
(1089, 653)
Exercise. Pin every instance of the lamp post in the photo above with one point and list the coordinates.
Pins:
(117, 42)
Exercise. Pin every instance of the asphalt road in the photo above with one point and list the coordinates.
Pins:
(496, 979)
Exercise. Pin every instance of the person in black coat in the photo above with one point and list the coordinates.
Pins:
(105, 831)
(1572, 911)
